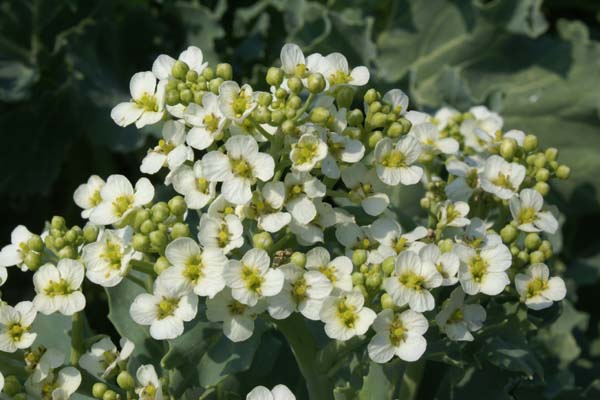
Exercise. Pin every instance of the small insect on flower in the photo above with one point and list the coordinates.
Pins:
(399, 334)
(537, 289)
(58, 287)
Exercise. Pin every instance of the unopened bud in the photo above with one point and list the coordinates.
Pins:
(563, 172)
(357, 278)
(180, 229)
(12, 386)
(374, 138)
(532, 241)
(319, 115)
(551, 154)
(35, 243)
(370, 96)
(177, 205)
(298, 258)
(530, 142)
(386, 301)
(536, 257)
(295, 84)
(355, 117)
(509, 234)
(316, 83)
(262, 240)
(542, 175)
(542, 187)
(344, 95)
(359, 257)
(99, 389)
(180, 70)
(508, 148)
(125, 380)
(161, 264)
(388, 265)
(274, 76)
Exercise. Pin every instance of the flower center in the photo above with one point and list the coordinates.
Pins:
(236, 308)
(240, 104)
(241, 168)
(193, 268)
(394, 159)
(299, 289)
(15, 331)
(211, 122)
(202, 185)
(329, 272)
(457, 316)
(223, 236)
(147, 102)
(253, 279)
(526, 215)
(347, 314)
(400, 244)
(112, 255)
(339, 77)
(536, 287)
(304, 152)
(300, 71)
(478, 267)
(95, 198)
(503, 181)
(107, 358)
(60, 288)
(412, 281)
(397, 332)
(121, 204)
(164, 147)
(149, 393)
(167, 307)
(451, 213)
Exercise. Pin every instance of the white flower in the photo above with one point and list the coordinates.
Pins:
(393, 161)
(482, 129)
(411, 281)
(307, 152)
(467, 179)
(239, 168)
(338, 270)
(119, 198)
(3, 275)
(225, 233)
(1, 381)
(388, 233)
(193, 185)
(107, 259)
(301, 190)
(236, 103)
(345, 316)
(171, 150)
(55, 386)
(526, 211)
(42, 361)
(238, 319)
(165, 310)
(207, 122)
(398, 334)
(444, 116)
(398, 100)
(340, 149)
(192, 56)
(303, 291)
(293, 62)
(363, 185)
(453, 214)
(501, 178)
(483, 270)
(313, 231)
(197, 269)
(334, 68)
(447, 264)
(457, 319)
(428, 136)
(537, 289)
(58, 288)
(267, 205)
(14, 253)
(150, 386)
(15, 324)
(251, 278)
(103, 357)
(477, 236)
(146, 106)
(87, 195)
(279, 392)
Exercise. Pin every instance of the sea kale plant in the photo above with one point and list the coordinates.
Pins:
(276, 215)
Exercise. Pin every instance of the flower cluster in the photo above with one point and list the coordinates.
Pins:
(286, 201)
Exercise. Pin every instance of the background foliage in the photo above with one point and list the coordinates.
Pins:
(64, 64)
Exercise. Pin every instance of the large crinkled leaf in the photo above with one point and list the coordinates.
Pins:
(382, 380)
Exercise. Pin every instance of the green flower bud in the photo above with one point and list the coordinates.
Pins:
(147, 227)
(540, 160)
(262, 240)
(12, 386)
(395, 130)
(377, 120)
(180, 70)
(362, 290)
(20, 396)
(67, 252)
(177, 205)
(553, 165)
(294, 102)
(71, 236)
(59, 243)
(140, 217)
(58, 223)
(224, 71)
(158, 239)
(191, 76)
(386, 301)
(277, 117)
(508, 148)
(172, 84)
(364, 268)
(373, 281)
(289, 112)
(214, 85)
(359, 257)
(355, 117)
(99, 389)
(90, 233)
(316, 83)
(161, 264)
(425, 203)
(140, 242)
(33, 260)
(530, 142)
(532, 241)
(388, 265)
(357, 278)
(186, 96)
(523, 256)
(265, 99)
(344, 95)
(172, 97)
(36, 243)
(281, 93)
(445, 245)
(181, 86)
(406, 124)
(125, 380)
(509, 234)
(374, 138)
(542, 175)
(563, 172)
(111, 395)
(514, 250)
(275, 76)
(160, 212)
(426, 158)
(546, 248)
(288, 127)
(262, 115)
(542, 187)
(536, 257)
(371, 96)
(180, 229)
(295, 84)
(375, 107)
(298, 258)
(198, 96)
(551, 154)
(319, 115)
(208, 73)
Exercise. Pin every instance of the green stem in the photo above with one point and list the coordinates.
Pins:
(305, 351)
(77, 347)
(143, 266)
(411, 380)
(301, 111)
(281, 243)
(137, 281)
